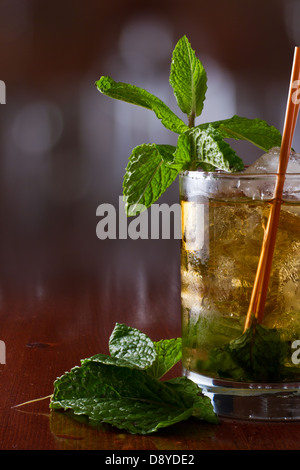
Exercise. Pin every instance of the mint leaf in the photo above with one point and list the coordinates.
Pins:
(140, 97)
(260, 351)
(169, 352)
(147, 176)
(116, 390)
(155, 357)
(255, 131)
(131, 345)
(203, 408)
(259, 354)
(129, 399)
(188, 79)
(111, 360)
(131, 348)
(205, 148)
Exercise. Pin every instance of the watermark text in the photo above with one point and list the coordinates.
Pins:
(2, 352)
(296, 354)
(160, 221)
(2, 92)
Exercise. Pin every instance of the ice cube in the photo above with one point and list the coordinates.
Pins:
(263, 188)
(268, 163)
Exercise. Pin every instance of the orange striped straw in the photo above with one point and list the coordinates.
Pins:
(261, 282)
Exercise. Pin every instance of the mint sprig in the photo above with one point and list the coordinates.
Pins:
(124, 388)
(152, 168)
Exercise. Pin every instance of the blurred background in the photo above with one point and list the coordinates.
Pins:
(64, 147)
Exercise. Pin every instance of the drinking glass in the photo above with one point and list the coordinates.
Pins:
(251, 373)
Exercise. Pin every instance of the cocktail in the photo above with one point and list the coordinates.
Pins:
(248, 372)
(240, 254)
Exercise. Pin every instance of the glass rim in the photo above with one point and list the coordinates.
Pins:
(223, 174)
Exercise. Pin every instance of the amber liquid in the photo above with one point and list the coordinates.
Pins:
(221, 245)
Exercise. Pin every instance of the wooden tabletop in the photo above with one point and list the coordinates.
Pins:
(61, 293)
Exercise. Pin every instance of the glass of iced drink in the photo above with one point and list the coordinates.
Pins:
(253, 372)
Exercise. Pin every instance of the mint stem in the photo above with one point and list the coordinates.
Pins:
(192, 119)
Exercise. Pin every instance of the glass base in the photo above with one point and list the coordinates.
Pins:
(250, 401)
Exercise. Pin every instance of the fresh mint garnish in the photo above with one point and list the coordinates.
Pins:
(124, 388)
(152, 168)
